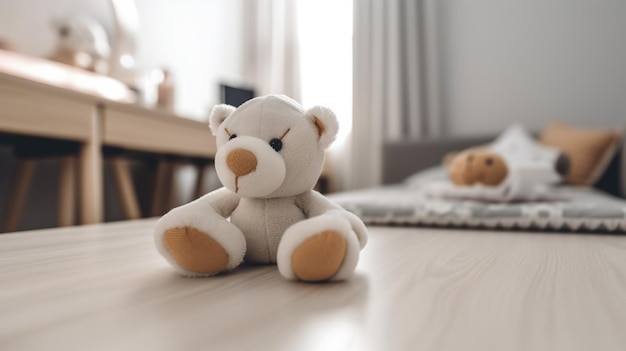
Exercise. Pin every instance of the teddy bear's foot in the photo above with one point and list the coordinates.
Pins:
(197, 241)
(318, 249)
(195, 251)
(319, 257)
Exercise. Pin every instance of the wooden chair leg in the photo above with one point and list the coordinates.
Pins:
(199, 186)
(67, 191)
(19, 194)
(125, 188)
(161, 190)
(173, 194)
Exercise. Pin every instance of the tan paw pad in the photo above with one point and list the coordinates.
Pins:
(319, 257)
(195, 251)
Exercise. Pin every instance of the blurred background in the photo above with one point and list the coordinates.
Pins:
(391, 70)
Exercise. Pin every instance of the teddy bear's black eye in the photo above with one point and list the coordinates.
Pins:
(276, 144)
(232, 136)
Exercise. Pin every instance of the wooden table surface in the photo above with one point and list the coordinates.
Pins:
(37, 107)
(104, 287)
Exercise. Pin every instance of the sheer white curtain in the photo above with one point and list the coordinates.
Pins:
(271, 57)
(395, 80)
(303, 48)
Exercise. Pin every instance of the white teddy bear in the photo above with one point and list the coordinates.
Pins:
(269, 156)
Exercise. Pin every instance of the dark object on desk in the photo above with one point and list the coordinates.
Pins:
(165, 91)
(235, 96)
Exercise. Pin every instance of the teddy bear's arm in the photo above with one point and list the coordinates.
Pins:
(222, 200)
(315, 204)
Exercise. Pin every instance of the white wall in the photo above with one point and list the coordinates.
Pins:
(199, 41)
(27, 23)
(531, 61)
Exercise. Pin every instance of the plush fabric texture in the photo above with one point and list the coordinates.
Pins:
(207, 215)
(263, 222)
(269, 117)
(268, 174)
(300, 232)
(589, 151)
(326, 123)
(319, 257)
(269, 156)
(218, 115)
(196, 251)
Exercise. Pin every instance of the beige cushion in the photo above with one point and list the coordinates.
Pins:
(589, 150)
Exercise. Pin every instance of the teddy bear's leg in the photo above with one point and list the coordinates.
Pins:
(195, 251)
(199, 245)
(318, 249)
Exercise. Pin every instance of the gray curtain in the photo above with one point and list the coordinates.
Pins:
(395, 80)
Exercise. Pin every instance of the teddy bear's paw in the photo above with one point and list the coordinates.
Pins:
(197, 241)
(195, 251)
(318, 249)
(319, 257)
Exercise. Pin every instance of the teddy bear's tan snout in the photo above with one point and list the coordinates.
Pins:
(241, 162)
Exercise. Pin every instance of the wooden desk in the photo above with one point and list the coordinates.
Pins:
(37, 109)
(138, 128)
(104, 287)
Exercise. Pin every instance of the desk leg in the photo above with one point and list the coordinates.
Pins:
(91, 192)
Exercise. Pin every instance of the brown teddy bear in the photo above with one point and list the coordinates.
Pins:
(477, 166)
(513, 167)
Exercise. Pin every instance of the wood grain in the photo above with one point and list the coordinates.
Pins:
(36, 113)
(147, 130)
(104, 287)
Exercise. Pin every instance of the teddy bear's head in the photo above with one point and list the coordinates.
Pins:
(477, 167)
(270, 146)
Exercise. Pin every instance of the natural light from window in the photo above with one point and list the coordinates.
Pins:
(325, 33)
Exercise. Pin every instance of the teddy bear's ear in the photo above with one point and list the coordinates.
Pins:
(218, 114)
(325, 121)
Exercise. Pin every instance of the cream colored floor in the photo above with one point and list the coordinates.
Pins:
(104, 287)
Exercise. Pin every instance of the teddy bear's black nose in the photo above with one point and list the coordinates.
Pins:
(241, 162)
